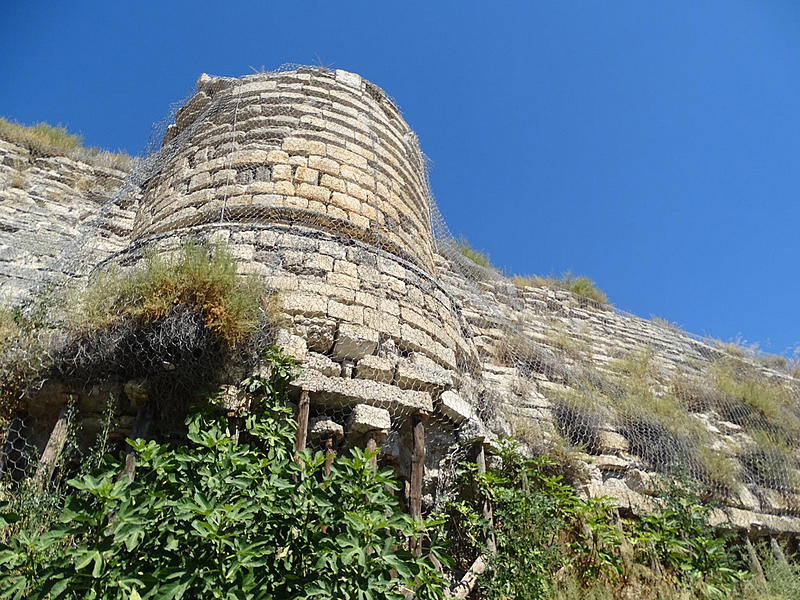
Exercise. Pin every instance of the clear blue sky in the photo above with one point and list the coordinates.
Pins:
(653, 146)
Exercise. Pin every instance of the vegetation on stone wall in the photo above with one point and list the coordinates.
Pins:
(43, 139)
(199, 278)
(552, 544)
(577, 284)
(229, 514)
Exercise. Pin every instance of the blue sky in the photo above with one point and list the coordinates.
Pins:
(653, 146)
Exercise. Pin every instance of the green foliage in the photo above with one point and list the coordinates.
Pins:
(541, 526)
(221, 518)
(200, 278)
(551, 543)
(583, 286)
(694, 554)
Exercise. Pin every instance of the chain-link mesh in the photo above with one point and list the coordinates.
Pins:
(311, 181)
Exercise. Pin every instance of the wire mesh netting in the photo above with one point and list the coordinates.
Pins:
(294, 207)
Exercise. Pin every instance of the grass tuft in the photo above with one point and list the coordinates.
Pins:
(579, 285)
(479, 258)
(200, 278)
(43, 139)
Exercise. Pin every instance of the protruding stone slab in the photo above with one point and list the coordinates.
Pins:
(354, 341)
(455, 407)
(417, 377)
(336, 392)
(322, 364)
(366, 418)
(323, 428)
(375, 368)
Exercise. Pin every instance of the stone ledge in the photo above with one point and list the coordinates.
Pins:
(336, 392)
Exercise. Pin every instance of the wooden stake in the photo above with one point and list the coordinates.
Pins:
(302, 423)
(47, 463)
(467, 583)
(372, 446)
(755, 564)
(491, 543)
(777, 552)
(329, 455)
(140, 428)
(417, 466)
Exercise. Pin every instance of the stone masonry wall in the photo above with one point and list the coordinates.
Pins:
(325, 149)
(45, 202)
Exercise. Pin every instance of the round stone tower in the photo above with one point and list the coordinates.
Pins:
(324, 149)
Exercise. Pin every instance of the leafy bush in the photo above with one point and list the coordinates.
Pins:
(225, 518)
(694, 555)
(552, 544)
(200, 278)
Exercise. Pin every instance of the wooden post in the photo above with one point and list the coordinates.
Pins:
(755, 564)
(491, 543)
(47, 463)
(372, 446)
(417, 466)
(140, 428)
(329, 455)
(777, 552)
(302, 423)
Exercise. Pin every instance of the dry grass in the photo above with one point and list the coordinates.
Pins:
(479, 258)
(9, 330)
(579, 285)
(43, 140)
(200, 278)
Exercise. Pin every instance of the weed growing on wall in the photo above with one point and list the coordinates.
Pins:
(200, 278)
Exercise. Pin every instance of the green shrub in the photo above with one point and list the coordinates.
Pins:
(200, 278)
(583, 286)
(552, 544)
(225, 518)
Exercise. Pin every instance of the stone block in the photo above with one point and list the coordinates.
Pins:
(348, 78)
(366, 418)
(640, 482)
(354, 341)
(320, 428)
(336, 393)
(292, 344)
(304, 304)
(346, 312)
(376, 369)
(455, 407)
(321, 364)
(293, 145)
(417, 377)
(313, 192)
(306, 175)
(611, 442)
